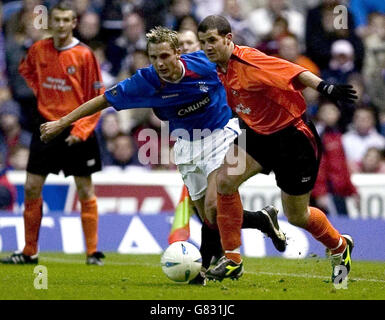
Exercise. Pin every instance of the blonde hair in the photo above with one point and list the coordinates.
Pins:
(161, 34)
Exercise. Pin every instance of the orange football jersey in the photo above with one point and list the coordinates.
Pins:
(260, 89)
(62, 80)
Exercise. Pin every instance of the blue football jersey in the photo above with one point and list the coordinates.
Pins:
(198, 101)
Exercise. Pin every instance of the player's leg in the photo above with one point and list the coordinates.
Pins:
(312, 219)
(33, 211)
(296, 172)
(300, 214)
(33, 205)
(210, 239)
(230, 210)
(89, 217)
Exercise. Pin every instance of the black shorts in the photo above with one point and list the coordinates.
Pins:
(81, 159)
(291, 154)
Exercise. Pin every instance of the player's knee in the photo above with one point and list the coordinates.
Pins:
(85, 193)
(211, 209)
(297, 220)
(225, 185)
(32, 191)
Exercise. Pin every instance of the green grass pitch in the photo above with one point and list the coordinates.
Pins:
(139, 277)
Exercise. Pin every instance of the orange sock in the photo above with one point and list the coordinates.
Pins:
(322, 230)
(229, 219)
(89, 214)
(32, 220)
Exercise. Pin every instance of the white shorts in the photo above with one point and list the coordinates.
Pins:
(198, 158)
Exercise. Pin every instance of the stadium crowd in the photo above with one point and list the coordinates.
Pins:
(315, 34)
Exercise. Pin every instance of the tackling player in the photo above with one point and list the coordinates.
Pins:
(63, 73)
(265, 93)
(184, 90)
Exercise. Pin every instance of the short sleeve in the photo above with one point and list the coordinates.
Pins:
(271, 71)
(134, 92)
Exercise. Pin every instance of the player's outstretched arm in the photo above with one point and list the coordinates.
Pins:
(50, 130)
(335, 92)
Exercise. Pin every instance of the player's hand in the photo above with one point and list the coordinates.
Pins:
(337, 92)
(71, 140)
(50, 130)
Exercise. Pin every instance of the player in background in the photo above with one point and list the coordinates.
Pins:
(188, 41)
(265, 93)
(186, 92)
(63, 74)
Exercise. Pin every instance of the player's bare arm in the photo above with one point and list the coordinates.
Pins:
(50, 130)
(335, 92)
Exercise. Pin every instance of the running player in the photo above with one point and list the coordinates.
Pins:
(265, 93)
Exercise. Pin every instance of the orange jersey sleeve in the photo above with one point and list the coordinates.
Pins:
(27, 70)
(267, 71)
(63, 80)
(261, 90)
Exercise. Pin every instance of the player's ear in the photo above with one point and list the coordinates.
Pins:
(178, 52)
(74, 22)
(229, 38)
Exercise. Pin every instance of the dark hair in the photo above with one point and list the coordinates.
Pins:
(215, 22)
(64, 5)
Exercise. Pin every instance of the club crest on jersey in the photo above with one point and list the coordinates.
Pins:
(234, 92)
(241, 108)
(71, 69)
(113, 90)
(203, 87)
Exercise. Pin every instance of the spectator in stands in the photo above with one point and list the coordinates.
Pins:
(16, 22)
(270, 43)
(374, 64)
(124, 152)
(107, 130)
(112, 20)
(242, 34)
(153, 140)
(16, 48)
(18, 157)
(341, 63)
(261, 20)
(7, 190)
(3, 63)
(361, 9)
(88, 28)
(132, 117)
(363, 101)
(321, 33)
(99, 49)
(361, 137)
(133, 38)
(372, 162)
(188, 41)
(333, 184)
(187, 22)
(289, 49)
(11, 133)
(204, 8)
(154, 12)
(177, 10)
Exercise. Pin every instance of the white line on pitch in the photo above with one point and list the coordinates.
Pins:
(295, 275)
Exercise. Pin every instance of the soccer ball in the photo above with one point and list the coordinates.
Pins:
(181, 261)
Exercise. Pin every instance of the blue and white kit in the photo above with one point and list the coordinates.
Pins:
(197, 112)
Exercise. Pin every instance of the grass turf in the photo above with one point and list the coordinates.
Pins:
(139, 277)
